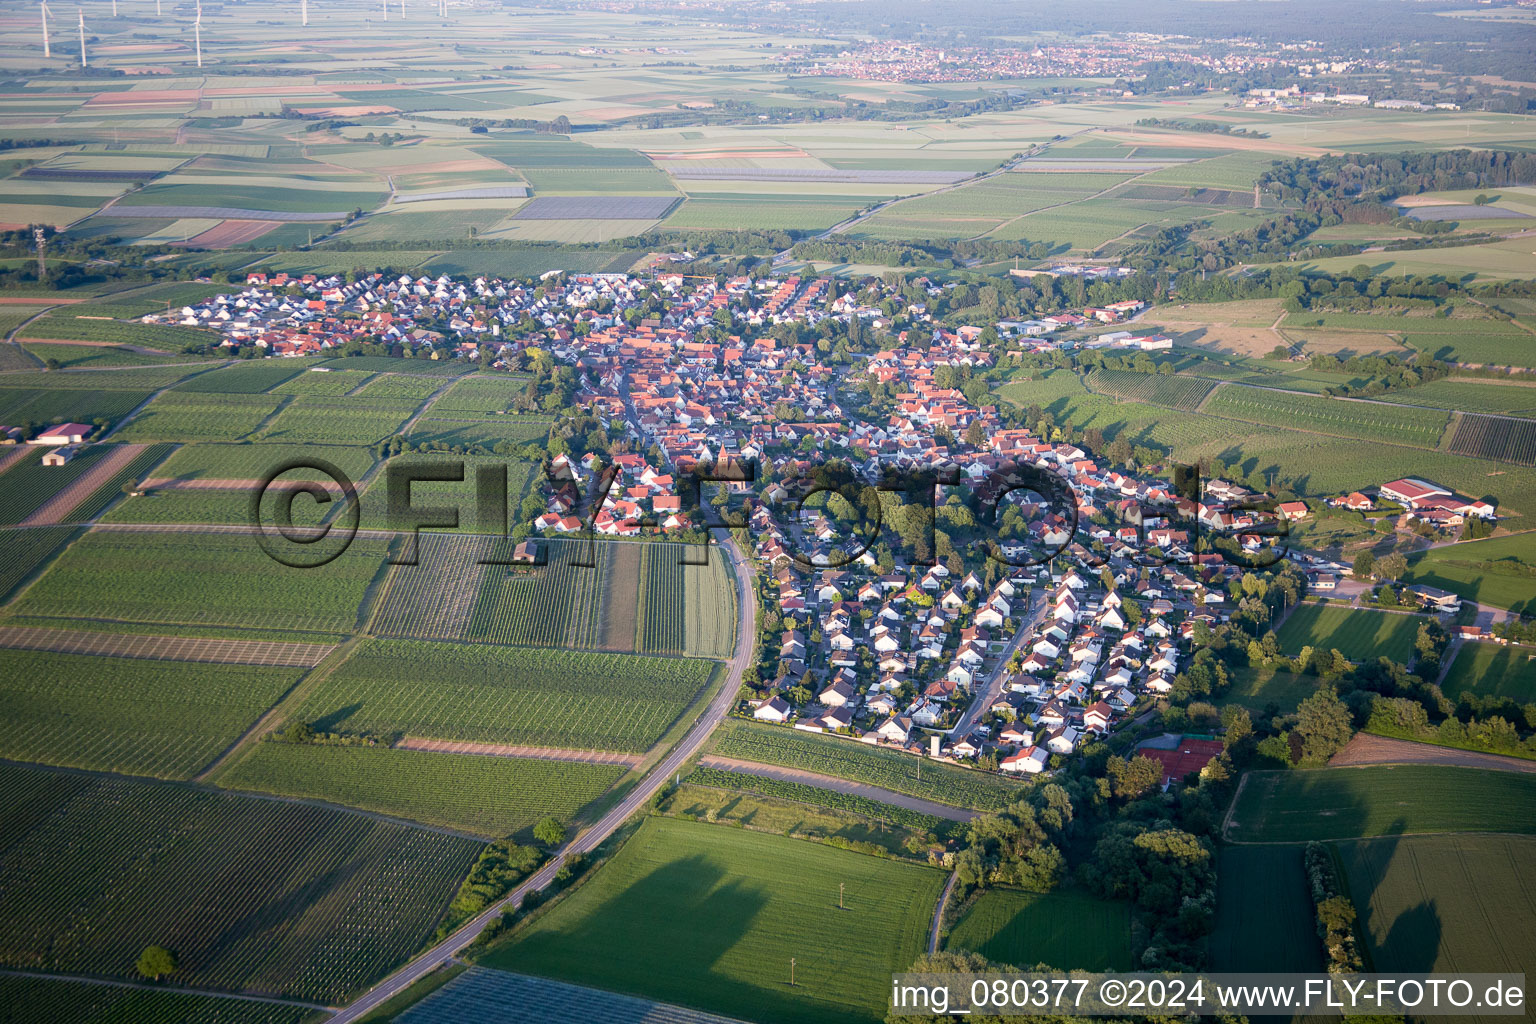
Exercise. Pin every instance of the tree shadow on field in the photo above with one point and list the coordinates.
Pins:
(1410, 943)
(663, 936)
(329, 721)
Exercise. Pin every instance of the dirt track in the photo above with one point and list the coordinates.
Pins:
(1368, 749)
(836, 785)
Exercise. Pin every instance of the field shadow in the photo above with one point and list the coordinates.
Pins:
(329, 721)
(1411, 942)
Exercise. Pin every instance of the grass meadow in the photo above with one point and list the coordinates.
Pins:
(709, 916)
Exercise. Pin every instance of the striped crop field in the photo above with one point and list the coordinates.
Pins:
(1171, 390)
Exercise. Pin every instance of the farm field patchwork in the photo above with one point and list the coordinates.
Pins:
(337, 420)
(138, 717)
(1349, 803)
(25, 550)
(1358, 634)
(888, 769)
(692, 913)
(327, 900)
(487, 796)
(489, 694)
(1067, 930)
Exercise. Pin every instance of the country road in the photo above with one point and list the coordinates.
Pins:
(594, 836)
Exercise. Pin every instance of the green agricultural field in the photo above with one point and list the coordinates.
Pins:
(202, 579)
(489, 694)
(69, 326)
(1499, 571)
(22, 405)
(1350, 803)
(385, 364)
(1256, 687)
(1491, 670)
(206, 505)
(486, 432)
(162, 718)
(327, 901)
(62, 1001)
(210, 461)
(325, 383)
(1471, 395)
(1174, 391)
(1358, 634)
(96, 357)
(1264, 914)
(247, 378)
(1444, 903)
(25, 550)
(1494, 437)
(1067, 930)
(480, 395)
(799, 794)
(416, 388)
(1370, 421)
(236, 192)
(337, 420)
(708, 916)
(488, 796)
(190, 416)
(889, 769)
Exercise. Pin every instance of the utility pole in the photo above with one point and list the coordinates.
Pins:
(840, 896)
(791, 972)
(41, 234)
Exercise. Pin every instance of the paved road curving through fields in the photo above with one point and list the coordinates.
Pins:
(594, 836)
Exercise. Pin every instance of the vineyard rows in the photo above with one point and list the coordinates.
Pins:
(848, 759)
(25, 550)
(1371, 421)
(338, 421)
(664, 614)
(554, 605)
(140, 717)
(85, 405)
(186, 416)
(252, 895)
(202, 579)
(488, 694)
(798, 792)
(1171, 390)
(1490, 437)
(489, 796)
(104, 495)
(61, 1001)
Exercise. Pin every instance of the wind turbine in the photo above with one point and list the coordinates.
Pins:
(304, 13)
(114, 8)
(402, 10)
(386, 9)
(43, 9)
(197, 30)
(442, 9)
(83, 62)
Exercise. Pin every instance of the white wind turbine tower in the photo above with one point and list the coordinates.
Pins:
(402, 10)
(304, 13)
(197, 31)
(83, 62)
(386, 9)
(114, 8)
(43, 9)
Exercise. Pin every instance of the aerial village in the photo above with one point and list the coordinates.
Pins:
(1007, 662)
